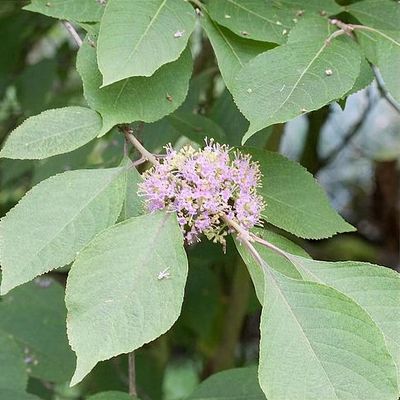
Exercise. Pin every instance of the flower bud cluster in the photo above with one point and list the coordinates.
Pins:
(205, 188)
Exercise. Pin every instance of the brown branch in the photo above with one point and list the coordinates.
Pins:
(72, 31)
(132, 375)
(128, 132)
(383, 91)
(348, 136)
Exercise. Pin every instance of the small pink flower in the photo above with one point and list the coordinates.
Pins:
(201, 186)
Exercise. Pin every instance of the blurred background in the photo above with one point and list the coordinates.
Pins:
(352, 147)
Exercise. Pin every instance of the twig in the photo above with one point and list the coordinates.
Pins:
(383, 91)
(353, 130)
(73, 32)
(128, 132)
(132, 375)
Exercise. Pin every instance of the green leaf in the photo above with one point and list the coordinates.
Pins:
(321, 7)
(16, 395)
(138, 37)
(116, 298)
(364, 78)
(225, 113)
(256, 19)
(389, 62)
(138, 98)
(380, 14)
(133, 204)
(330, 345)
(374, 288)
(316, 27)
(295, 202)
(233, 384)
(111, 396)
(295, 80)
(276, 261)
(232, 52)
(52, 132)
(380, 39)
(34, 314)
(196, 127)
(13, 373)
(77, 10)
(34, 86)
(55, 220)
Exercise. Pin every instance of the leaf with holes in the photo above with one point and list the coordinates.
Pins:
(125, 289)
(52, 132)
(137, 98)
(137, 37)
(55, 220)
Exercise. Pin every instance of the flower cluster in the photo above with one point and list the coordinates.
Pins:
(206, 188)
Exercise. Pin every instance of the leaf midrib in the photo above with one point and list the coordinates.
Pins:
(256, 14)
(139, 42)
(304, 334)
(295, 86)
(68, 131)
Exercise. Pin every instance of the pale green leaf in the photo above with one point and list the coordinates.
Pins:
(38, 307)
(55, 220)
(52, 132)
(364, 79)
(317, 27)
(389, 64)
(375, 288)
(320, 7)
(138, 98)
(255, 19)
(16, 395)
(77, 10)
(111, 396)
(233, 384)
(294, 200)
(330, 345)
(276, 261)
(296, 78)
(380, 38)
(311, 27)
(13, 373)
(232, 51)
(137, 37)
(381, 14)
(118, 297)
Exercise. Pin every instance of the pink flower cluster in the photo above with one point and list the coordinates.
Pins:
(204, 187)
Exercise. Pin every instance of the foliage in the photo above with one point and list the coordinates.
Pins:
(145, 75)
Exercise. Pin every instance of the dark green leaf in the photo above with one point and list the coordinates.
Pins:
(294, 200)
